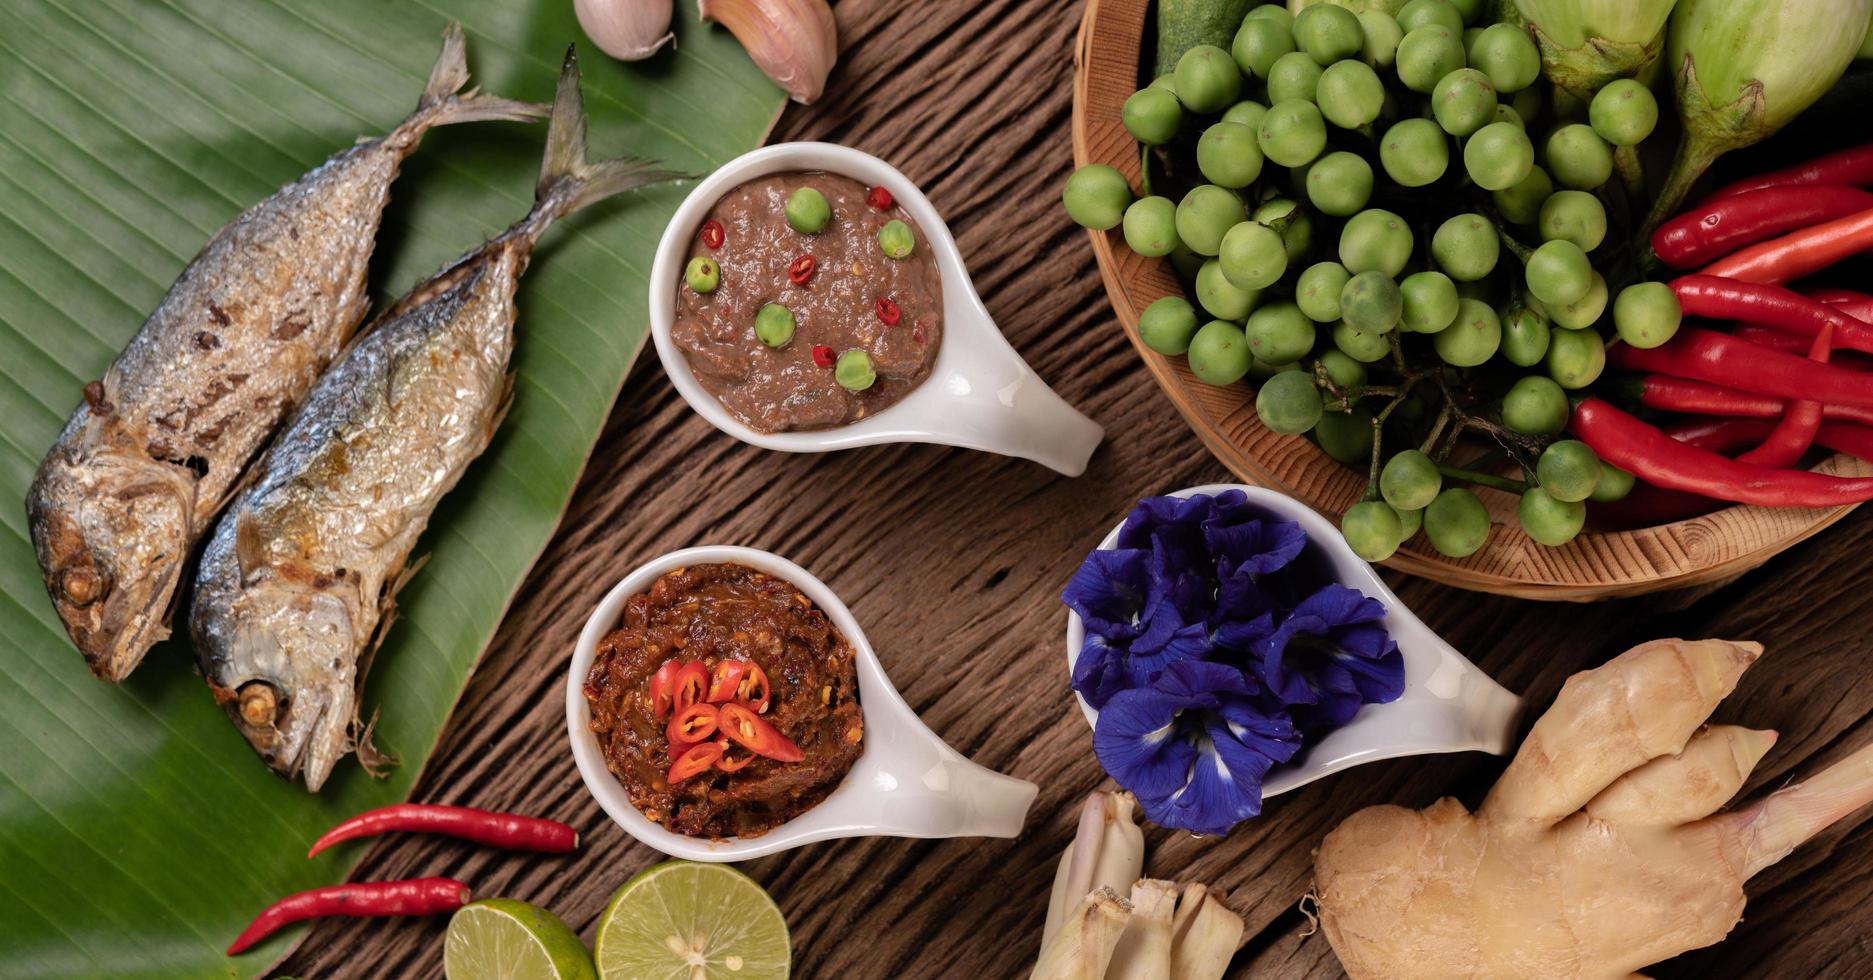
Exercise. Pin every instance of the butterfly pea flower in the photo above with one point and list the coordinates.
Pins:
(1194, 746)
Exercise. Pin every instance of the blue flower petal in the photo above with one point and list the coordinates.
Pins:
(1159, 512)
(1137, 741)
(1108, 590)
(1188, 641)
(1217, 796)
(1193, 683)
(1243, 636)
(1099, 671)
(1271, 734)
(1256, 547)
(1335, 700)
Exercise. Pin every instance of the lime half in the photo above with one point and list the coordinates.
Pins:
(504, 939)
(686, 921)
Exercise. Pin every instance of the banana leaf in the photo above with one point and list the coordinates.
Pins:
(138, 832)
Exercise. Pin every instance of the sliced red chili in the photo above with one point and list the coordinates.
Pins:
(727, 680)
(713, 234)
(692, 724)
(663, 688)
(753, 688)
(801, 270)
(753, 732)
(880, 199)
(734, 761)
(887, 311)
(692, 680)
(823, 356)
(698, 759)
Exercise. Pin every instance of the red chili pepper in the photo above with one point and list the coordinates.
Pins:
(1726, 435)
(1658, 459)
(802, 269)
(727, 680)
(414, 896)
(822, 355)
(1798, 253)
(693, 724)
(1852, 167)
(734, 763)
(697, 759)
(692, 680)
(1771, 338)
(1794, 435)
(753, 689)
(713, 234)
(1770, 306)
(508, 830)
(1717, 228)
(663, 688)
(1703, 355)
(1855, 304)
(1702, 398)
(753, 732)
(880, 199)
(1720, 435)
(887, 311)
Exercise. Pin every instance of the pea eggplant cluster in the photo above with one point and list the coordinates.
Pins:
(1406, 238)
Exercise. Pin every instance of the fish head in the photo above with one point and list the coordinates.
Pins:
(282, 660)
(112, 532)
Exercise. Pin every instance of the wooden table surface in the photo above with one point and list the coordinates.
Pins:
(954, 562)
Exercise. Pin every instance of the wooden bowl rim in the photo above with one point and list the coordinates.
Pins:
(1599, 564)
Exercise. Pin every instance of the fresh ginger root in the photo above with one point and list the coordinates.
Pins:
(1600, 850)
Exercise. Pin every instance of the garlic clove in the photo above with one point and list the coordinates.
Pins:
(629, 30)
(795, 42)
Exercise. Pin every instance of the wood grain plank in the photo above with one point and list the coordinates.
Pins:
(954, 561)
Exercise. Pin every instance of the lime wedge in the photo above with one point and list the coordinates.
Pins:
(686, 921)
(504, 939)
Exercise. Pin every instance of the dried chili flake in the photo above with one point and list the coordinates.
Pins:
(822, 355)
(801, 270)
(713, 234)
(887, 311)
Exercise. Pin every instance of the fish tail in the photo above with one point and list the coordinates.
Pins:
(444, 101)
(568, 181)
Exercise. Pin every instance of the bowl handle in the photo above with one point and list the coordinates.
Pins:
(946, 795)
(991, 400)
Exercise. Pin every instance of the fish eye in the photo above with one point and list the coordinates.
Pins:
(260, 703)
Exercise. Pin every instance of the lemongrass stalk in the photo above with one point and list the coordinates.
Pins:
(1082, 948)
(1144, 951)
(1744, 68)
(1107, 852)
(1205, 935)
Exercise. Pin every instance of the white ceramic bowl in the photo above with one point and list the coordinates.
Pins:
(907, 783)
(1448, 705)
(980, 394)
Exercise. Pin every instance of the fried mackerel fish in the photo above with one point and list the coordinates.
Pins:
(159, 443)
(301, 572)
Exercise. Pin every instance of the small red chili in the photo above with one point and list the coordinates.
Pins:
(753, 688)
(663, 688)
(887, 311)
(692, 724)
(697, 759)
(509, 830)
(822, 355)
(880, 199)
(415, 896)
(801, 270)
(734, 763)
(757, 736)
(713, 234)
(692, 680)
(727, 680)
